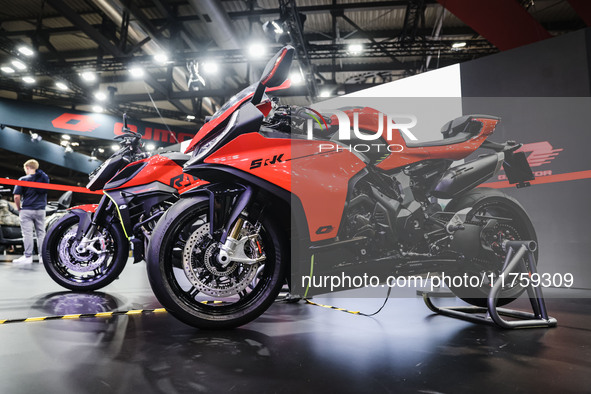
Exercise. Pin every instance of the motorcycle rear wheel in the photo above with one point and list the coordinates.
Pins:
(188, 282)
(72, 270)
(492, 202)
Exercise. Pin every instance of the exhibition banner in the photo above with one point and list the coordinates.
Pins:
(95, 125)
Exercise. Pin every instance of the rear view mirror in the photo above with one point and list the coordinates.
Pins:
(277, 70)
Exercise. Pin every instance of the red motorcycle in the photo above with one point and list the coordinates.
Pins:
(89, 246)
(282, 195)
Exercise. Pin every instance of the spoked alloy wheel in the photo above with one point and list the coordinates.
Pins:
(90, 269)
(189, 280)
(511, 224)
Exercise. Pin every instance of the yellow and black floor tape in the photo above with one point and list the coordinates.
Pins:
(83, 315)
(358, 313)
(332, 307)
(160, 310)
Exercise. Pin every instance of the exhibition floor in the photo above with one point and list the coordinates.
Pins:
(293, 348)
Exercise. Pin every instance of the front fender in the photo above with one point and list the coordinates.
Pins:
(84, 213)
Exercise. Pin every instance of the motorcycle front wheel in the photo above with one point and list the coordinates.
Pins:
(88, 270)
(193, 286)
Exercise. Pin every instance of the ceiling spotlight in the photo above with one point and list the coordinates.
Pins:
(274, 29)
(66, 137)
(355, 49)
(101, 150)
(100, 96)
(7, 70)
(190, 117)
(29, 79)
(161, 58)
(210, 68)
(25, 50)
(150, 147)
(114, 147)
(136, 72)
(296, 78)
(88, 76)
(97, 108)
(64, 143)
(458, 45)
(18, 64)
(68, 149)
(75, 143)
(257, 50)
(35, 137)
(61, 86)
(325, 93)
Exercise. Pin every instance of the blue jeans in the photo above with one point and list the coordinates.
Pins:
(32, 219)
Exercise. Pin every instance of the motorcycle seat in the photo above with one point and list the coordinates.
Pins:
(455, 131)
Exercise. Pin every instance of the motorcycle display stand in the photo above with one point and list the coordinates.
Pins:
(538, 319)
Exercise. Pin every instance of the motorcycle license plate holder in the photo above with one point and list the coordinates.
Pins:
(517, 169)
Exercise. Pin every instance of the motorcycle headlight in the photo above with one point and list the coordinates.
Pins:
(209, 145)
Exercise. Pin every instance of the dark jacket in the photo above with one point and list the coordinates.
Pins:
(33, 198)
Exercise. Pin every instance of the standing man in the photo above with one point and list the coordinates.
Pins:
(31, 202)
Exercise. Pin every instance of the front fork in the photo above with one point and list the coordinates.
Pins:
(227, 223)
(87, 228)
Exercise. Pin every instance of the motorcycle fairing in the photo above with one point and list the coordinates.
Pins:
(146, 195)
(156, 168)
(217, 120)
(271, 159)
(323, 202)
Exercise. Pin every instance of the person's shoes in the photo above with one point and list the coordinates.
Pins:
(40, 259)
(23, 260)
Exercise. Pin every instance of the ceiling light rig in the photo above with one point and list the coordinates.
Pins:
(35, 137)
(458, 45)
(61, 86)
(257, 50)
(100, 96)
(296, 78)
(19, 65)
(88, 76)
(355, 49)
(25, 50)
(136, 72)
(161, 58)
(7, 70)
(97, 108)
(210, 67)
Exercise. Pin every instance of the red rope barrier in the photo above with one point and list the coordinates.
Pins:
(48, 186)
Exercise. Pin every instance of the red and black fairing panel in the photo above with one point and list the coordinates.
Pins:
(86, 207)
(319, 180)
(166, 168)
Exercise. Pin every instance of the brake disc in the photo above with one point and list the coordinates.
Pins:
(75, 261)
(206, 274)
